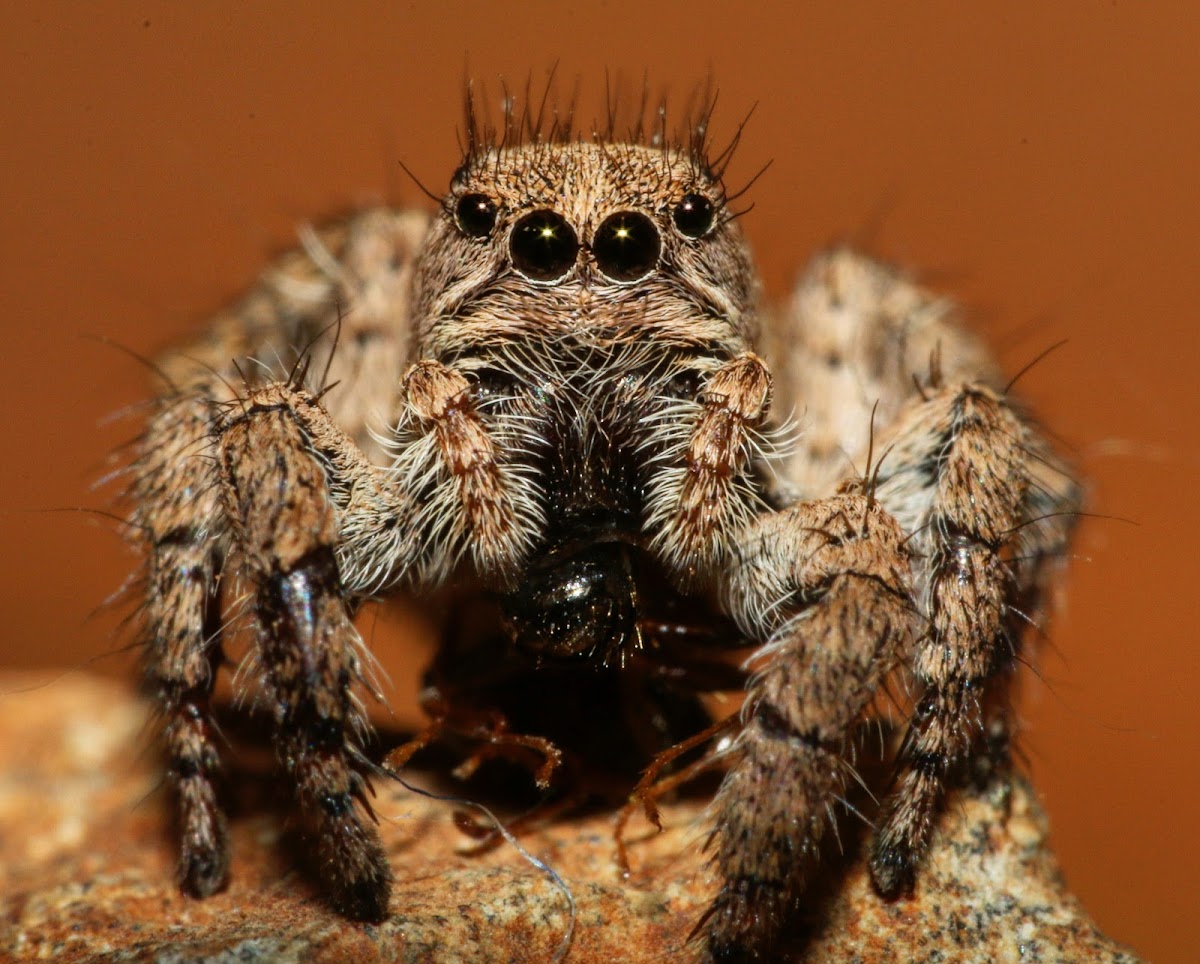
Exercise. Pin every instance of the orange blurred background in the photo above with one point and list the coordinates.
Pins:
(1038, 161)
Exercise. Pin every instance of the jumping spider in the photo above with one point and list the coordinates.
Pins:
(561, 387)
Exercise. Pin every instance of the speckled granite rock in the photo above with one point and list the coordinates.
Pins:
(86, 868)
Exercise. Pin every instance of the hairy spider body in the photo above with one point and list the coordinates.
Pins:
(557, 385)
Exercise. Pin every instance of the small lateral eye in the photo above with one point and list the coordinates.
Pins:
(626, 246)
(476, 215)
(694, 215)
(543, 246)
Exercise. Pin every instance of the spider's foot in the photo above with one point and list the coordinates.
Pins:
(360, 881)
(365, 898)
(204, 869)
(744, 922)
(893, 870)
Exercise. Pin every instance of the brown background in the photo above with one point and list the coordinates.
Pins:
(1039, 161)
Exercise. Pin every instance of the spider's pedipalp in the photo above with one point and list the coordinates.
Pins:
(699, 496)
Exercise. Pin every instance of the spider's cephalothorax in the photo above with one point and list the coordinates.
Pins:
(557, 386)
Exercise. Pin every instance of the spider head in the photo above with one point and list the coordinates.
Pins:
(595, 244)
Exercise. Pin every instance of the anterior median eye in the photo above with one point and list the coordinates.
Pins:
(694, 215)
(626, 246)
(476, 215)
(543, 246)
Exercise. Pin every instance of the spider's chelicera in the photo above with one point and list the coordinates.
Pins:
(562, 387)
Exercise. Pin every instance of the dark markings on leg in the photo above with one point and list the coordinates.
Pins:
(177, 511)
(821, 669)
(286, 526)
(978, 498)
(306, 651)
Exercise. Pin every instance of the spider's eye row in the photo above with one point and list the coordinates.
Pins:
(476, 215)
(626, 246)
(694, 215)
(543, 246)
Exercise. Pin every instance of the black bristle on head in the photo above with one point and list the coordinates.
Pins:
(542, 118)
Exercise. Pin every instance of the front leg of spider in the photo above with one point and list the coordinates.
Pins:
(276, 493)
(825, 583)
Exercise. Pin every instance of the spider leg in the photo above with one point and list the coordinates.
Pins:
(826, 584)
(987, 505)
(178, 515)
(283, 487)
(279, 457)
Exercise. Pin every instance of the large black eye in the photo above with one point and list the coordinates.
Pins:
(476, 215)
(626, 246)
(543, 246)
(694, 215)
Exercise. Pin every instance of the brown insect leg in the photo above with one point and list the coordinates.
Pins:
(650, 788)
(498, 742)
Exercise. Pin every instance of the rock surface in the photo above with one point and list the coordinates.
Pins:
(87, 864)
